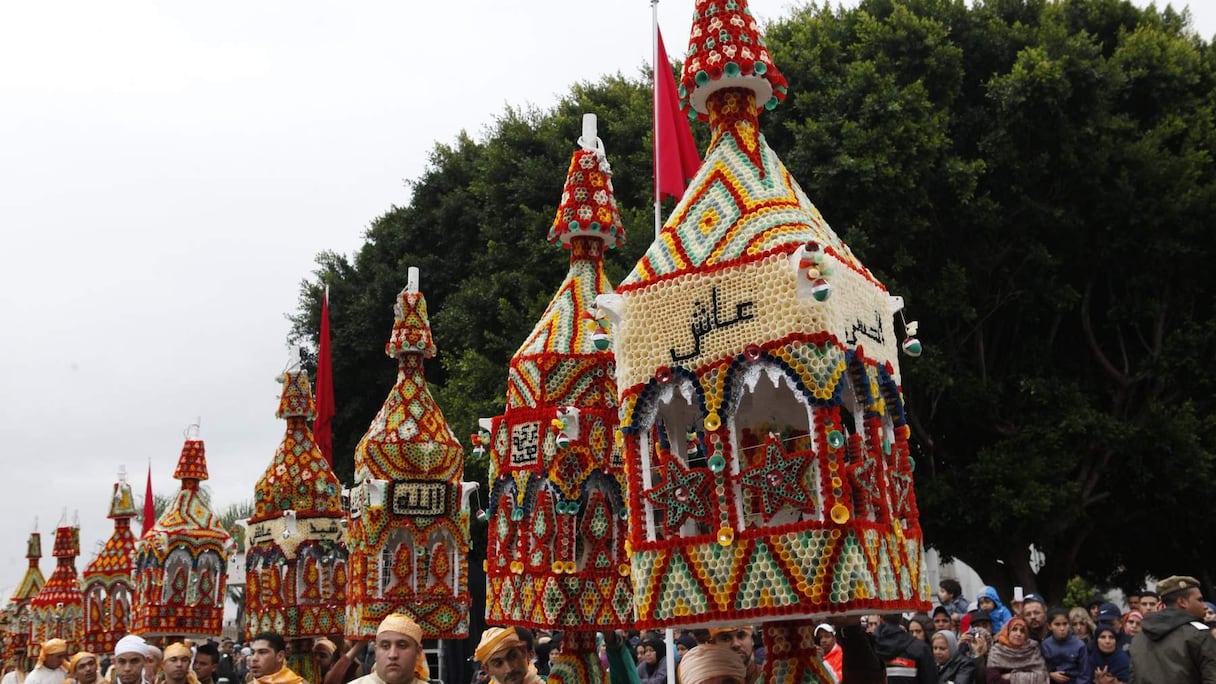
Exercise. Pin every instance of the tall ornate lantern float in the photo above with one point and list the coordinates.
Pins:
(766, 444)
(181, 563)
(295, 575)
(108, 587)
(57, 612)
(409, 513)
(556, 547)
(17, 613)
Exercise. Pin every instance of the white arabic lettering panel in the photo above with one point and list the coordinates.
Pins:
(859, 315)
(696, 319)
(756, 302)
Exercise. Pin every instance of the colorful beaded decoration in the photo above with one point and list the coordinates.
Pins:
(556, 549)
(16, 613)
(107, 583)
(766, 445)
(58, 609)
(295, 553)
(409, 519)
(578, 662)
(588, 205)
(726, 50)
(181, 563)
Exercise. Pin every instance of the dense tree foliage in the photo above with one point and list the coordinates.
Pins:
(1036, 178)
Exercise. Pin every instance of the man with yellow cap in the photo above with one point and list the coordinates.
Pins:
(399, 658)
(177, 665)
(712, 663)
(506, 656)
(268, 664)
(51, 658)
(82, 669)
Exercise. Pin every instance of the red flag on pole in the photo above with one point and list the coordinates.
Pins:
(149, 506)
(322, 427)
(675, 154)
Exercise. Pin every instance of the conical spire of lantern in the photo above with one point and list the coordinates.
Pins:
(16, 614)
(763, 420)
(409, 503)
(588, 205)
(298, 478)
(57, 610)
(554, 463)
(296, 549)
(181, 563)
(32, 581)
(726, 49)
(107, 582)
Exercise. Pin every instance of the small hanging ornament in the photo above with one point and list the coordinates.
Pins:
(821, 290)
(563, 440)
(601, 341)
(911, 345)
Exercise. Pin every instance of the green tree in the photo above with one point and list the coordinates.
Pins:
(475, 226)
(1035, 177)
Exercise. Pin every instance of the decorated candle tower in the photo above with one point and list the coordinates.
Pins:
(770, 477)
(409, 516)
(556, 548)
(180, 566)
(17, 613)
(107, 580)
(295, 578)
(57, 612)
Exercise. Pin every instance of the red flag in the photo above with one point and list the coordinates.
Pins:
(322, 427)
(149, 507)
(675, 154)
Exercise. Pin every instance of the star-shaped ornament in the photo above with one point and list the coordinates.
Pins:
(780, 480)
(681, 495)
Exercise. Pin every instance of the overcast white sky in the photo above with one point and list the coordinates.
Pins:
(169, 170)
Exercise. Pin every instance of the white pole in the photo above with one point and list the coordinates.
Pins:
(670, 641)
(654, 106)
(668, 636)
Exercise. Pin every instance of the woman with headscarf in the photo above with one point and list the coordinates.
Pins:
(652, 667)
(1131, 626)
(1015, 657)
(1105, 662)
(953, 666)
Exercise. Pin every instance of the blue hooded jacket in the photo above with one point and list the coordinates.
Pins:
(1000, 615)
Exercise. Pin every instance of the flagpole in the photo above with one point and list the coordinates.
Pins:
(654, 106)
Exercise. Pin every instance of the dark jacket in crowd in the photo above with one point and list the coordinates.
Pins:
(960, 669)
(909, 660)
(1173, 647)
(1117, 664)
(1066, 656)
